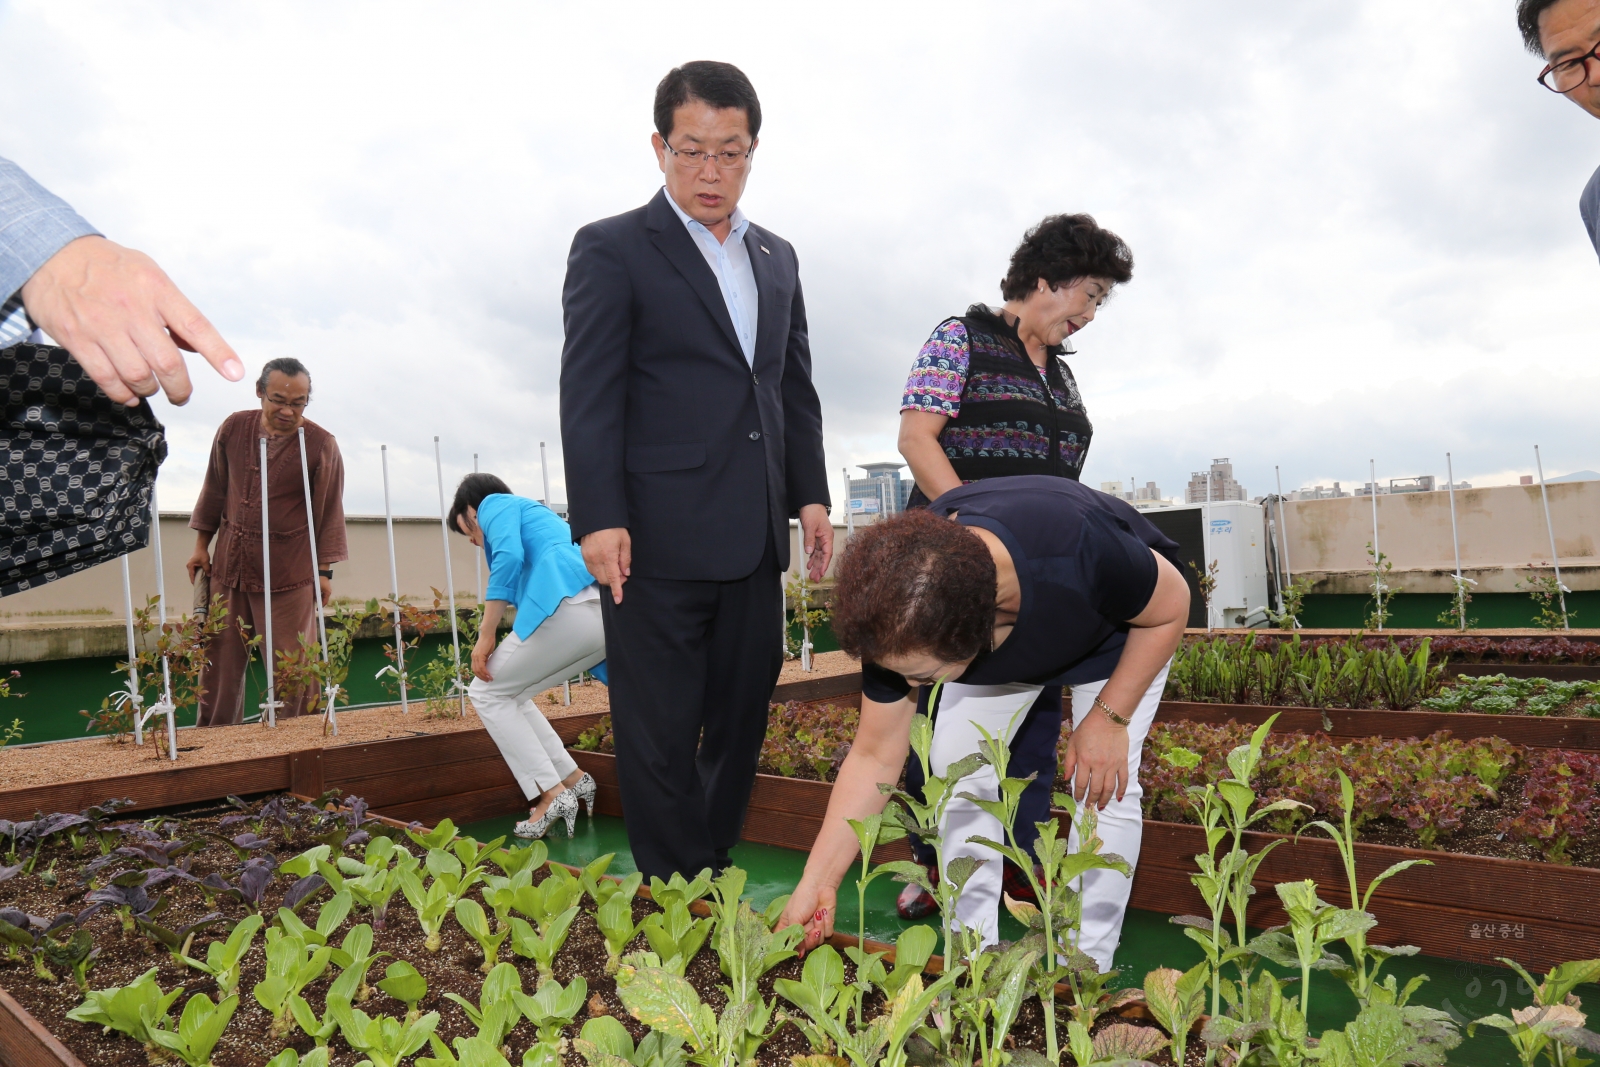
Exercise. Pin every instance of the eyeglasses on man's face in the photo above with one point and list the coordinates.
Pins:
(694, 158)
(1567, 75)
(278, 400)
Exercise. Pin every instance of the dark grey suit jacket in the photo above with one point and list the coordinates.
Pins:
(665, 428)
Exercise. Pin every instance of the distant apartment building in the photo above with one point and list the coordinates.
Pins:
(1215, 484)
(1133, 493)
(882, 492)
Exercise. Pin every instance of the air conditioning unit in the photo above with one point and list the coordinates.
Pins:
(1233, 535)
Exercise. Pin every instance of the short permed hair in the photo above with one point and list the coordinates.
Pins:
(470, 494)
(1528, 12)
(721, 85)
(1062, 249)
(915, 583)
(288, 366)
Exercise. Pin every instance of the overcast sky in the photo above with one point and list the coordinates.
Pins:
(1355, 224)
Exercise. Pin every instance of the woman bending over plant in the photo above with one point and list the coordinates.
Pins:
(1000, 588)
(556, 635)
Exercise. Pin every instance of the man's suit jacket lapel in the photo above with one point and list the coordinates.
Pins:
(769, 346)
(670, 236)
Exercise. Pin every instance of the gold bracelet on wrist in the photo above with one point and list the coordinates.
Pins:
(1113, 716)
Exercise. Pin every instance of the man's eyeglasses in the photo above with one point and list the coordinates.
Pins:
(298, 405)
(694, 158)
(1567, 75)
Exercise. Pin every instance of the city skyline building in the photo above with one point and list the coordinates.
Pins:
(1220, 485)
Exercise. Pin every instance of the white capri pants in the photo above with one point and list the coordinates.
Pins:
(1105, 893)
(569, 642)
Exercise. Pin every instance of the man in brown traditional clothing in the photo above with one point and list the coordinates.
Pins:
(229, 508)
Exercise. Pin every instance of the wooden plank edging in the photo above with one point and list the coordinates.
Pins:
(24, 1042)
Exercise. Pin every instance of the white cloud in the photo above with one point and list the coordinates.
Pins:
(1355, 223)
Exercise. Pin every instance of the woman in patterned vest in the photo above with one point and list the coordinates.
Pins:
(991, 396)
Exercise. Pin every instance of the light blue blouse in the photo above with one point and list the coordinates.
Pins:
(533, 563)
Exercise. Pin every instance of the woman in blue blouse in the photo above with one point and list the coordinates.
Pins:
(556, 635)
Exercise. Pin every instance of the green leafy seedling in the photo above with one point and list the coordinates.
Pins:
(199, 1029)
(542, 948)
(333, 913)
(224, 958)
(678, 890)
(132, 1009)
(615, 919)
(354, 957)
(469, 913)
(605, 1042)
(676, 935)
(496, 1011)
(405, 983)
(432, 906)
(291, 966)
(305, 1017)
(552, 1009)
(383, 1041)
(317, 1057)
(439, 837)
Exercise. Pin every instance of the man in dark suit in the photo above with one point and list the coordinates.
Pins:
(692, 433)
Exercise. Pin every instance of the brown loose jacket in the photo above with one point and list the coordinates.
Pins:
(230, 504)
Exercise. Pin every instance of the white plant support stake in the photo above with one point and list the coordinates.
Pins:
(1283, 540)
(849, 515)
(1555, 561)
(164, 706)
(566, 693)
(131, 698)
(449, 579)
(1205, 548)
(1378, 587)
(1455, 539)
(477, 557)
(330, 691)
(270, 706)
(544, 470)
(399, 665)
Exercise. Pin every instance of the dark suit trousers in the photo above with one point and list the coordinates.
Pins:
(691, 668)
(1033, 751)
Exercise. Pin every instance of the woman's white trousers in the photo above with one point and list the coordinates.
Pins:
(567, 643)
(962, 709)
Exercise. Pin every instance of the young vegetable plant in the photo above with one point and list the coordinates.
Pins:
(497, 1010)
(329, 918)
(1053, 868)
(199, 1029)
(383, 1041)
(470, 914)
(354, 957)
(1177, 999)
(133, 1009)
(224, 958)
(550, 1010)
(678, 889)
(1363, 982)
(317, 1057)
(432, 905)
(1553, 1025)
(290, 968)
(615, 919)
(605, 1042)
(405, 983)
(675, 935)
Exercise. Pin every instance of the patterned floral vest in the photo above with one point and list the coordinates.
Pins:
(1010, 422)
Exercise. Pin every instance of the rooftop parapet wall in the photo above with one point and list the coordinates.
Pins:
(1502, 531)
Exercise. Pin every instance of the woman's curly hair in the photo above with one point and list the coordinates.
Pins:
(915, 583)
(1061, 249)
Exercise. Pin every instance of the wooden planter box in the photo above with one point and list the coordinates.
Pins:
(1527, 730)
(1455, 909)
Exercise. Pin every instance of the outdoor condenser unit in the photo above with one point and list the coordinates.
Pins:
(1237, 543)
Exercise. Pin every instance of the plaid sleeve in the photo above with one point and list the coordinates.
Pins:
(940, 372)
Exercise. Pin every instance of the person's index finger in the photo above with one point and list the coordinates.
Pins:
(195, 331)
(166, 362)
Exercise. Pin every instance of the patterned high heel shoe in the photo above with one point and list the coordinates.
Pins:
(585, 790)
(563, 807)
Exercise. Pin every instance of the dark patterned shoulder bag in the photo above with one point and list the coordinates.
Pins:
(79, 469)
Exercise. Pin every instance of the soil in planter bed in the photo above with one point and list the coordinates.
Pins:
(454, 968)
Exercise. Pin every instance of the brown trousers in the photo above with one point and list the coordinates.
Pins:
(222, 679)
